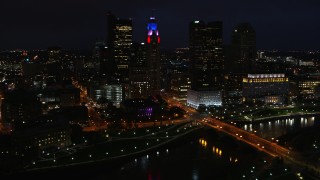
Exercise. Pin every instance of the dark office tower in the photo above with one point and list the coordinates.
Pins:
(244, 48)
(98, 54)
(54, 65)
(31, 68)
(108, 67)
(153, 55)
(215, 43)
(20, 107)
(138, 74)
(206, 56)
(101, 56)
(119, 41)
(54, 54)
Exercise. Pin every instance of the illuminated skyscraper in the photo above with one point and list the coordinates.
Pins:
(206, 64)
(119, 41)
(206, 56)
(244, 48)
(153, 55)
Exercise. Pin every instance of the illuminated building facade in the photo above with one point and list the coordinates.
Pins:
(114, 93)
(111, 92)
(268, 88)
(206, 55)
(206, 98)
(307, 86)
(179, 87)
(244, 48)
(119, 41)
(138, 109)
(153, 55)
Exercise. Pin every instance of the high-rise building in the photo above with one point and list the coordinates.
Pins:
(119, 41)
(206, 55)
(153, 55)
(55, 64)
(244, 48)
(138, 73)
(233, 88)
(98, 54)
(54, 54)
(206, 64)
(178, 74)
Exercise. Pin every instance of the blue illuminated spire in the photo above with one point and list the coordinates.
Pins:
(152, 29)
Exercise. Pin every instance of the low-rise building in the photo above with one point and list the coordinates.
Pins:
(111, 92)
(267, 88)
(206, 98)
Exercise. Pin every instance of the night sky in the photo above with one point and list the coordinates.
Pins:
(76, 24)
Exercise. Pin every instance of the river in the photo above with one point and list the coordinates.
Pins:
(206, 155)
(281, 126)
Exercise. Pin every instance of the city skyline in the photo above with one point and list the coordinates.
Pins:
(286, 25)
(166, 90)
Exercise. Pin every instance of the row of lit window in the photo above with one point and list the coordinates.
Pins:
(264, 87)
(245, 80)
(124, 28)
(309, 84)
(140, 83)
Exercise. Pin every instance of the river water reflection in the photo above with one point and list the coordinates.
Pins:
(282, 126)
(207, 155)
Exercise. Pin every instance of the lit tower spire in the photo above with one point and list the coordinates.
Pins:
(153, 33)
(153, 56)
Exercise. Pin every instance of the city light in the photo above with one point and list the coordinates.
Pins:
(117, 99)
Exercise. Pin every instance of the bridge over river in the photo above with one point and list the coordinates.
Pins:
(259, 143)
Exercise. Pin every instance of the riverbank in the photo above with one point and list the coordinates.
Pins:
(102, 162)
(274, 118)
